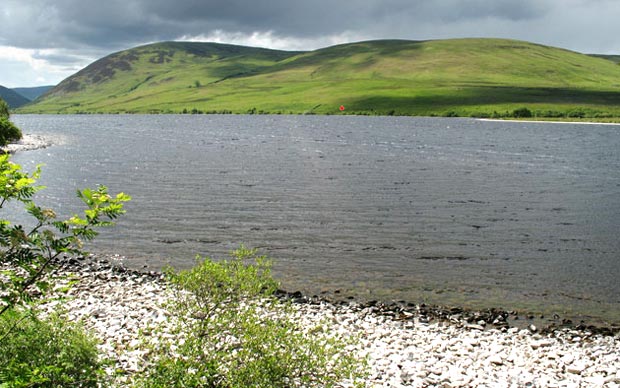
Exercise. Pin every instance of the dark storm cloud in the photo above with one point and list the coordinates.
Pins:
(117, 23)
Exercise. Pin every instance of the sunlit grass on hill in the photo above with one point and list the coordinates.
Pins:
(464, 77)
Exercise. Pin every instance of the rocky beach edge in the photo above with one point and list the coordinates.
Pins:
(419, 346)
(27, 143)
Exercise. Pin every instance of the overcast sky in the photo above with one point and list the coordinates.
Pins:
(44, 41)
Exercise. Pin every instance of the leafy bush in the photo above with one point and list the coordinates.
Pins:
(8, 131)
(522, 112)
(27, 255)
(576, 113)
(235, 333)
(550, 113)
(4, 109)
(50, 352)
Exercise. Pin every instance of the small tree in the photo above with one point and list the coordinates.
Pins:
(26, 255)
(236, 333)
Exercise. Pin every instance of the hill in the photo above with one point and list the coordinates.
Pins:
(613, 58)
(479, 77)
(33, 93)
(12, 98)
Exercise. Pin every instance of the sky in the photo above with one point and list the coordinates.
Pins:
(44, 41)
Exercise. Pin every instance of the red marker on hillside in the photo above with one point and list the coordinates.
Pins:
(341, 108)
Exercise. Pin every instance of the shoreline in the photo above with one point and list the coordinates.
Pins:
(403, 348)
(548, 121)
(523, 120)
(28, 142)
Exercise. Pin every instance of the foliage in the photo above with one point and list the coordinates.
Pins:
(4, 109)
(522, 113)
(27, 255)
(235, 333)
(8, 131)
(51, 352)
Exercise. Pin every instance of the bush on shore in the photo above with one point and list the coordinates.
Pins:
(49, 352)
(8, 131)
(236, 333)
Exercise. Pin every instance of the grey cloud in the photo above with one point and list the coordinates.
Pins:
(104, 26)
(115, 23)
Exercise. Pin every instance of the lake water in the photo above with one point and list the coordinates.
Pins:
(452, 211)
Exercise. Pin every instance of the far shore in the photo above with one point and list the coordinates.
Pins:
(549, 121)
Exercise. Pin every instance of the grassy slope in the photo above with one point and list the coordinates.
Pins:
(613, 58)
(12, 98)
(465, 76)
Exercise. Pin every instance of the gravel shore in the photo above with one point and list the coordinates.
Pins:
(27, 143)
(403, 349)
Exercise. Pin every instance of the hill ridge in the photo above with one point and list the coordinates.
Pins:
(468, 76)
(12, 98)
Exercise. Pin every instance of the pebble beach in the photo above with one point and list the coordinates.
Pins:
(403, 349)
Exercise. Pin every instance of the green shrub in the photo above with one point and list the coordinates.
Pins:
(4, 109)
(27, 254)
(237, 334)
(49, 352)
(8, 132)
(522, 113)
(550, 114)
(576, 113)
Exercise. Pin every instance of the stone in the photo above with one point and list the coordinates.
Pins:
(448, 353)
(496, 360)
(541, 343)
(576, 368)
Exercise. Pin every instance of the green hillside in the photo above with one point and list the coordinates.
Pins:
(12, 98)
(478, 77)
(32, 93)
(613, 58)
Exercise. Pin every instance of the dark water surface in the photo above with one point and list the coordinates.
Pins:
(453, 211)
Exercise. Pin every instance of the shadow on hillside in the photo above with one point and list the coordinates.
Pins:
(472, 96)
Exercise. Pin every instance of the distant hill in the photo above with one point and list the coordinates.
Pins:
(613, 58)
(33, 93)
(477, 77)
(12, 98)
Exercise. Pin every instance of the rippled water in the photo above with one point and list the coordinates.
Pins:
(455, 211)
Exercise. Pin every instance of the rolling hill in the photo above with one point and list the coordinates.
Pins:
(465, 77)
(32, 93)
(12, 98)
(613, 58)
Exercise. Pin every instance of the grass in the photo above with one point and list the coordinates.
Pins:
(463, 77)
